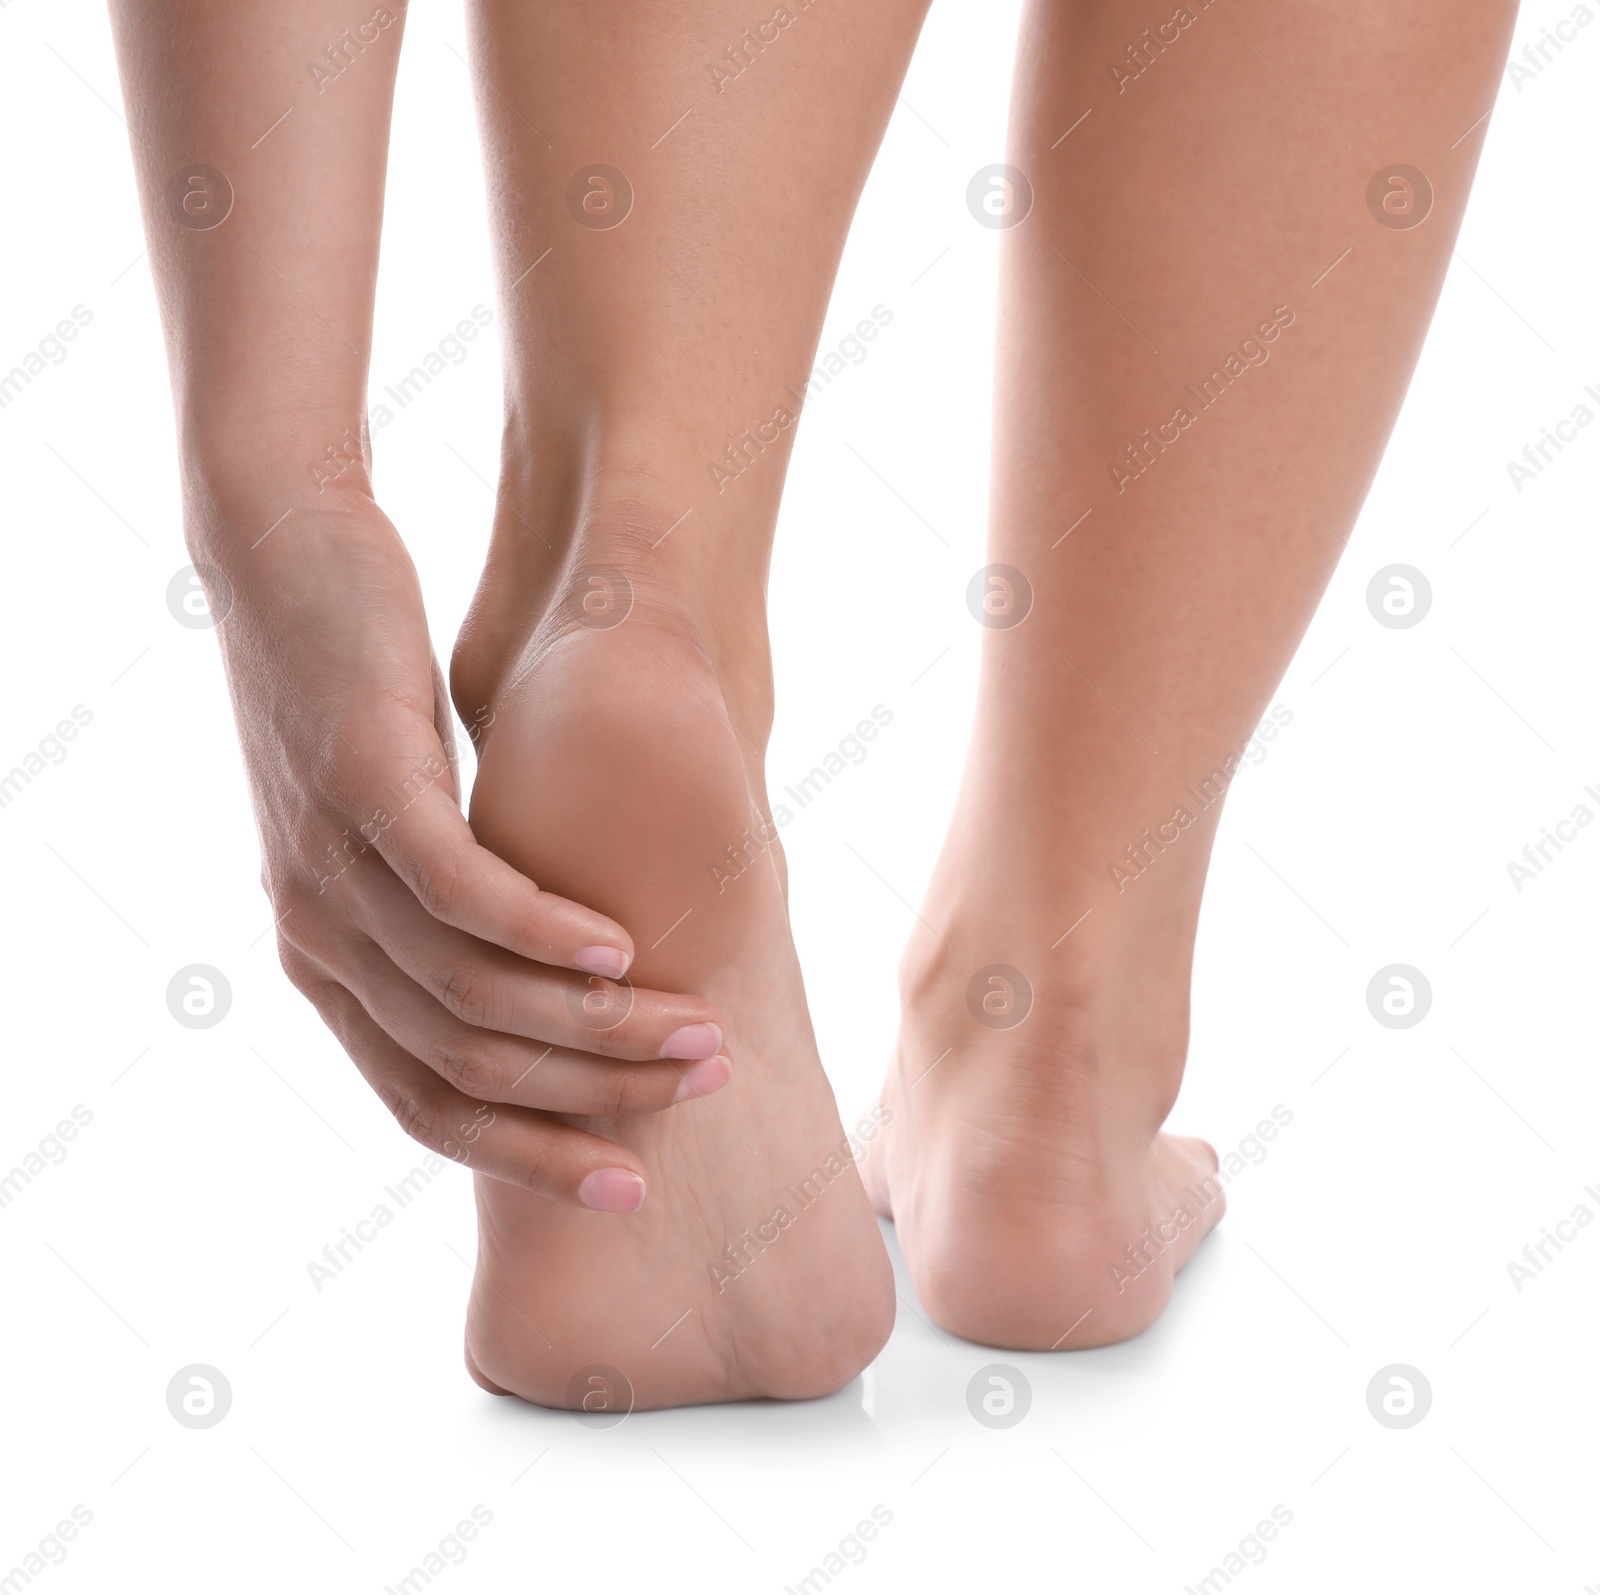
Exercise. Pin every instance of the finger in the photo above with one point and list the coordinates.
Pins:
(490, 989)
(432, 849)
(444, 726)
(488, 1066)
(522, 1148)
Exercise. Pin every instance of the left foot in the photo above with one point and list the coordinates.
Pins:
(613, 769)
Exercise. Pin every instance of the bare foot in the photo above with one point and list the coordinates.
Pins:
(752, 1265)
(1037, 1201)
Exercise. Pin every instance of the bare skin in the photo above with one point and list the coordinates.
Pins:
(1037, 1198)
(455, 983)
(431, 953)
(756, 1269)
(628, 759)
(665, 265)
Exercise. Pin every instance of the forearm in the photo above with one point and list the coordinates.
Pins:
(266, 276)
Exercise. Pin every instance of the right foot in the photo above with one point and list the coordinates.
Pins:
(611, 771)
(1037, 1201)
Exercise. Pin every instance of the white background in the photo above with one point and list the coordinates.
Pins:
(1376, 831)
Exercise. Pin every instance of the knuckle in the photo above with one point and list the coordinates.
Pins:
(467, 1068)
(437, 885)
(305, 922)
(536, 1168)
(469, 994)
(304, 974)
(297, 945)
(615, 1094)
(419, 1118)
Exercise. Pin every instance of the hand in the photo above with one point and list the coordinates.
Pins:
(476, 1005)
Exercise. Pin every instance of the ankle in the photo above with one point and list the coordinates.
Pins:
(1105, 1011)
(619, 562)
(616, 497)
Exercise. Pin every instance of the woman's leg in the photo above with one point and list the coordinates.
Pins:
(1208, 323)
(671, 195)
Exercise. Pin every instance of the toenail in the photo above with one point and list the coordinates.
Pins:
(605, 961)
(692, 1041)
(612, 1191)
(710, 1074)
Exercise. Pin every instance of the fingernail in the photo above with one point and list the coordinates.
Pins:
(605, 961)
(612, 1191)
(692, 1041)
(710, 1074)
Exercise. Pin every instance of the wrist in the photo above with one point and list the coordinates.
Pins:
(255, 526)
(242, 478)
(236, 442)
